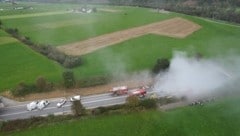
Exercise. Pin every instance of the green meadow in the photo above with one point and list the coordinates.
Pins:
(61, 27)
(219, 118)
(20, 63)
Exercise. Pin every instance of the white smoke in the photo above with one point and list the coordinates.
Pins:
(192, 77)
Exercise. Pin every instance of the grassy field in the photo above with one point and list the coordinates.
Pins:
(141, 53)
(220, 118)
(54, 26)
(20, 63)
(62, 27)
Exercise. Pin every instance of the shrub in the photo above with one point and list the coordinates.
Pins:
(68, 78)
(23, 89)
(94, 9)
(148, 103)
(161, 65)
(42, 85)
(132, 101)
(13, 32)
(71, 61)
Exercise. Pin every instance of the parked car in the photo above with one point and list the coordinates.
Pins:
(75, 98)
(31, 106)
(61, 103)
(42, 104)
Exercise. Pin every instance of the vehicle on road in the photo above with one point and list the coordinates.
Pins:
(31, 106)
(61, 103)
(42, 104)
(120, 90)
(75, 98)
(141, 92)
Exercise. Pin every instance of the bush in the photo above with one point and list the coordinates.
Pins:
(23, 89)
(42, 85)
(132, 101)
(13, 32)
(94, 9)
(71, 61)
(148, 103)
(68, 78)
(161, 65)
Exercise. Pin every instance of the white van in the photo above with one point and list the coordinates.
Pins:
(42, 104)
(31, 106)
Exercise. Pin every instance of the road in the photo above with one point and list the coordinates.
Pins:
(89, 102)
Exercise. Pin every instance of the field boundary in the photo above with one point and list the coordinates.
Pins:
(176, 27)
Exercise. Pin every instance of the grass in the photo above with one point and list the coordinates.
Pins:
(141, 53)
(215, 119)
(20, 63)
(78, 27)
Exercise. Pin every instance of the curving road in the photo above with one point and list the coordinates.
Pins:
(89, 102)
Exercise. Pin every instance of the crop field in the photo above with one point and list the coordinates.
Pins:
(175, 27)
(53, 24)
(220, 118)
(19, 63)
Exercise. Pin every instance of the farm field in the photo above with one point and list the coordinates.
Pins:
(70, 27)
(174, 27)
(220, 118)
(54, 26)
(141, 53)
(19, 63)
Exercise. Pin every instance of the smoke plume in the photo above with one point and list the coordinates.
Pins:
(194, 78)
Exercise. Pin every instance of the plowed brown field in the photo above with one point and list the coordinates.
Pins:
(175, 27)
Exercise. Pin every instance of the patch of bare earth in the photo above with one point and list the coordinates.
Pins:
(77, 91)
(175, 27)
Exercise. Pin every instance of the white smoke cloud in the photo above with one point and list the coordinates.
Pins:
(192, 77)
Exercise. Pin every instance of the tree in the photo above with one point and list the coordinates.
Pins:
(68, 78)
(77, 108)
(41, 84)
(161, 65)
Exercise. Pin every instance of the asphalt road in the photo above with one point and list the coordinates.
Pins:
(89, 102)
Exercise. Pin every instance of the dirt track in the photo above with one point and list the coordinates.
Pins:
(175, 27)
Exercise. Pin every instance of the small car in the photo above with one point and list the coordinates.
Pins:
(61, 103)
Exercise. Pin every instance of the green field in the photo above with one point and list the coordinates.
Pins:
(62, 27)
(141, 53)
(54, 26)
(220, 118)
(20, 63)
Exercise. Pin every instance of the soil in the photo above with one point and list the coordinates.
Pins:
(175, 27)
